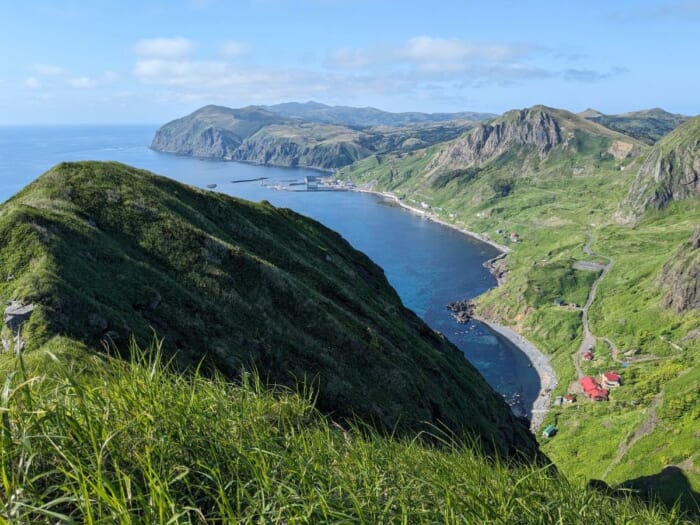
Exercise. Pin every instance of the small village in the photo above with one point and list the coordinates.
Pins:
(595, 388)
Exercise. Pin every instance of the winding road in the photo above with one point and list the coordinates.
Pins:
(589, 339)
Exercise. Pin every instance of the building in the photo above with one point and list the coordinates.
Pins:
(514, 237)
(549, 431)
(610, 379)
(593, 389)
(311, 182)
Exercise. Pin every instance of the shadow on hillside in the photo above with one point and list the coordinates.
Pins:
(668, 486)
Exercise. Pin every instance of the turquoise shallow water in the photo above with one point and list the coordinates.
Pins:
(428, 264)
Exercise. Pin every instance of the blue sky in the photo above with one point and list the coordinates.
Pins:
(150, 61)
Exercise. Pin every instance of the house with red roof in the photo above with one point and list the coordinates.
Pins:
(610, 379)
(593, 389)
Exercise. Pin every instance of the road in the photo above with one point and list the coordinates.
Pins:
(589, 339)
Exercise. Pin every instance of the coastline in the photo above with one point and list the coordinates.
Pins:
(540, 361)
(423, 213)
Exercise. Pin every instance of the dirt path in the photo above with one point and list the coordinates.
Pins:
(647, 427)
(589, 339)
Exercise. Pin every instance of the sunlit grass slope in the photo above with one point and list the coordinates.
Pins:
(98, 440)
(106, 251)
(556, 203)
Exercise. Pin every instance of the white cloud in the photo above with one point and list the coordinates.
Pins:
(86, 82)
(349, 58)
(165, 48)
(428, 54)
(32, 83)
(48, 70)
(234, 49)
(82, 82)
(414, 67)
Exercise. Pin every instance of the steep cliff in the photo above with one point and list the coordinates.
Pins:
(538, 130)
(679, 279)
(106, 252)
(312, 145)
(671, 172)
(212, 131)
(322, 139)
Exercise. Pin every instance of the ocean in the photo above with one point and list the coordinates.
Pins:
(428, 264)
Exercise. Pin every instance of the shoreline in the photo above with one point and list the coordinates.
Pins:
(423, 213)
(540, 361)
(541, 364)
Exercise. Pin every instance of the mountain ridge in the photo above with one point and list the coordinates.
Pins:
(647, 125)
(255, 134)
(670, 172)
(106, 252)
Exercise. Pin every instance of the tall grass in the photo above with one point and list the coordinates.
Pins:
(139, 443)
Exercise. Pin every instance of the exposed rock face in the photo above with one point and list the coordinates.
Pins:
(620, 149)
(680, 277)
(16, 313)
(254, 134)
(212, 142)
(670, 172)
(533, 127)
(272, 146)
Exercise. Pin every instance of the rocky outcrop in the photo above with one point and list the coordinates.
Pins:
(16, 313)
(261, 137)
(679, 279)
(670, 172)
(273, 146)
(535, 127)
(462, 311)
(210, 142)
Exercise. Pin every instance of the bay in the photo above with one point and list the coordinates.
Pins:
(428, 264)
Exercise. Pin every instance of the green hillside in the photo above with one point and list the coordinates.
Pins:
(106, 252)
(647, 125)
(301, 137)
(99, 441)
(367, 117)
(559, 182)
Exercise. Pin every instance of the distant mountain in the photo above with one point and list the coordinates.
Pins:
(646, 125)
(106, 252)
(368, 116)
(518, 143)
(254, 134)
(590, 113)
(670, 172)
(539, 130)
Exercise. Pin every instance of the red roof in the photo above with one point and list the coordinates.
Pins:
(598, 393)
(613, 377)
(588, 383)
(592, 389)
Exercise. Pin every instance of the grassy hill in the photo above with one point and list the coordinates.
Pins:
(104, 441)
(647, 125)
(367, 117)
(557, 181)
(671, 172)
(107, 252)
(299, 138)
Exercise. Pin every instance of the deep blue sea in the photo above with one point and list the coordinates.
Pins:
(428, 264)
